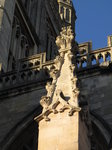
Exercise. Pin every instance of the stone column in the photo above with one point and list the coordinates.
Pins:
(64, 13)
(70, 16)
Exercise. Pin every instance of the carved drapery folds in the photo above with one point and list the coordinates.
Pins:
(59, 98)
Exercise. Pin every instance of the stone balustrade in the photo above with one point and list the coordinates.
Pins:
(93, 58)
(27, 70)
(32, 61)
(35, 67)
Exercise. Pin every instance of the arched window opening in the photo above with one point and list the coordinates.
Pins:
(77, 53)
(23, 41)
(67, 14)
(26, 50)
(84, 51)
(84, 63)
(26, 3)
(100, 57)
(93, 60)
(108, 57)
(62, 10)
(26, 53)
(13, 64)
(78, 64)
(51, 50)
(18, 31)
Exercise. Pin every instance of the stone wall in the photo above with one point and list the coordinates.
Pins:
(27, 139)
(17, 111)
(98, 87)
(6, 17)
(84, 143)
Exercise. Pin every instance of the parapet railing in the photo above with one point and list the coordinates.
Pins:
(32, 61)
(35, 67)
(93, 58)
(27, 70)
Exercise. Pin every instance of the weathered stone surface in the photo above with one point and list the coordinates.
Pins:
(15, 109)
(7, 13)
(34, 30)
(61, 132)
(59, 121)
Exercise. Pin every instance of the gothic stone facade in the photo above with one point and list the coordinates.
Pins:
(33, 70)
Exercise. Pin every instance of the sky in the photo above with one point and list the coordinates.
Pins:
(94, 21)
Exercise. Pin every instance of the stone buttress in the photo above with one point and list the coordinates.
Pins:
(59, 120)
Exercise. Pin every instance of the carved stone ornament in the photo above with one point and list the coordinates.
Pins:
(58, 61)
(55, 101)
(52, 108)
(45, 102)
(64, 41)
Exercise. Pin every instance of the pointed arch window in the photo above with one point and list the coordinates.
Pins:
(84, 63)
(62, 10)
(26, 3)
(100, 57)
(108, 57)
(93, 60)
(67, 14)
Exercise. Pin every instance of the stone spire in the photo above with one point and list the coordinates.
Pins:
(63, 87)
(60, 105)
(67, 12)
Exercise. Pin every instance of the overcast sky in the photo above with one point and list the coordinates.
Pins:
(94, 21)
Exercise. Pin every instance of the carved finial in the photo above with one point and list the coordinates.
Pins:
(64, 41)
